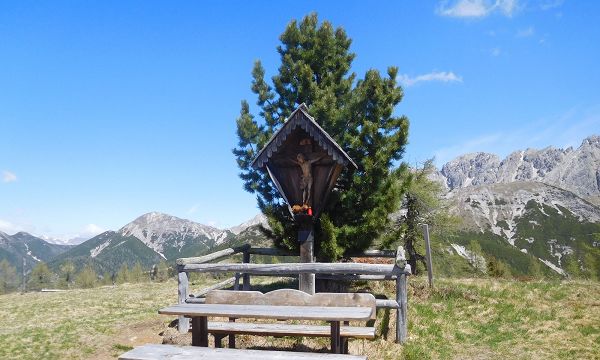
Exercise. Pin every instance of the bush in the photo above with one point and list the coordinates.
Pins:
(87, 278)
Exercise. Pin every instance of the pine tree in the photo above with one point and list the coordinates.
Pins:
(137, 273)
(8, 277)
(40, 277)
(107, 278)
(162, 273)
(123, 275)
(571, 265)
(67, 272)
(87, 278)
(358, 113)
(423, 204)
(497, 268)
(534, 268)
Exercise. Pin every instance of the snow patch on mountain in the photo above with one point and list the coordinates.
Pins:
(554, 267)
(496, 207)
(30, 254)
(98, 249)
(474, 259)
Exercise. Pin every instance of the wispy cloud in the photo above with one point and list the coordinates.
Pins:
(440, 76)
(568, 129)
(527, 32)
(551, 4)
(495, 51)
(193, 209)
(92, 229)
(477, 8)
(8, 176)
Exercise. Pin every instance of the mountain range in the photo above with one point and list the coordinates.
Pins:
(540, 205)
(534, 206)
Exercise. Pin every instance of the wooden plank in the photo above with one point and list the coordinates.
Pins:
(195, 300)
(246, 280)
(401, 312)
(428, 254)
(271, 252)
(356, 277)
(385, 303)
(271, 312)
(282, 252)
(219, 285)
(282, 329)
(291, 297)
(173, 352)
(183, 325)
(212, 256)
(299, 268)
(375, 253)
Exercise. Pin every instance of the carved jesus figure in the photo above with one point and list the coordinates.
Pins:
(306, 179)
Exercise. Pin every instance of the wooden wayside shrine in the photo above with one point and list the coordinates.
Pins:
(304, 163)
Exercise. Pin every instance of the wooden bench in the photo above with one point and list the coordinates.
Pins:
(173, 352)
(288, 297)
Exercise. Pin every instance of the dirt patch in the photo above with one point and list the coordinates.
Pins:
(145, 332)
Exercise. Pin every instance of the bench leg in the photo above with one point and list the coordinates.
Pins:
(200, 331)
(335, 337)
(344, 345)
(218, 340)
(232, 336)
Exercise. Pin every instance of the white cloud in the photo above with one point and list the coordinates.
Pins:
(9, 228)
(477, 8)
(495, 51)
(526, 32)
(46, 233)
(92, 229)
(441, 76)
(8, 176)
(568, 129)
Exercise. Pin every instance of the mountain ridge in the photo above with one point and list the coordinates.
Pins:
(576, 170)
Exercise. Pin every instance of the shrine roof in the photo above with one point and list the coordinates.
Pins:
(300, 118)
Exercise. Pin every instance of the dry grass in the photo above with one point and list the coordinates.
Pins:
(464, 318)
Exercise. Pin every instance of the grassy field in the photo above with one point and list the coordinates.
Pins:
(463, 318)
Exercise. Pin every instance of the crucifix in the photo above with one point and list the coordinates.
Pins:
(306, 179)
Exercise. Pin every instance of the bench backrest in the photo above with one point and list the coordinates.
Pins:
(291, 297)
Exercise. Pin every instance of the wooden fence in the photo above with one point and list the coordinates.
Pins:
(397, 272)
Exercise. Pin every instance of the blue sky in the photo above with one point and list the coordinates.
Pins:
(111, 109)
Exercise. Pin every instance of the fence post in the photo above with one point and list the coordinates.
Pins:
(246, 276)
(428, 254)
(183, 324)
(401, 315)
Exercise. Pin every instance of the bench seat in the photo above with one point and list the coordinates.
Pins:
(173, 352)
(226, 328)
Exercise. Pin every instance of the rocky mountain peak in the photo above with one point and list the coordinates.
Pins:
(160, 231)
(576, 170)
(259, 219)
